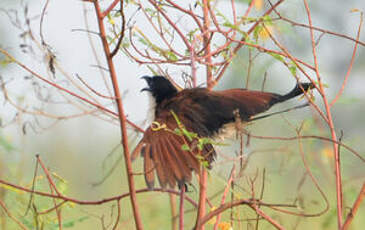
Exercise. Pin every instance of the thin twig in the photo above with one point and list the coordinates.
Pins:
(354, 208)
(225, 193)
(118, 216)
(202, 197)
(181, 209)
(116, 49)
(20, 224)
(329, 122)
(351, 63)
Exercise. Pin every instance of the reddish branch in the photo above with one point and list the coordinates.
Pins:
(53, 189)
(202, 197)
(351, 63)
(121, 116)
(7, 212)
(225, 193)
(330, 124)
(206, 38)
(354, 208)
(357, 41)
(89, 202)
(181, 208)
(251, 203)
(109, 9)
(209, 77)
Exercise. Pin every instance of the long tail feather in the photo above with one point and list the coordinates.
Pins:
(298, 90)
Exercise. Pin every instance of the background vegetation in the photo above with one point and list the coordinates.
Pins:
(56, 143)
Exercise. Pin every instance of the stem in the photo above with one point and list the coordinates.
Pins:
(202, 198)
(181, 210)
(121, 117)
(330, 124)
(173, 211)
(206, 35)
(354, 208)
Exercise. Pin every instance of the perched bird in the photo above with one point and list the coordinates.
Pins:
(178, 141)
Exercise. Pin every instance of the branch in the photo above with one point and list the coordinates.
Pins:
(351, 62)
(2, 204)
(330, 124)
(109, 9)
(354, 208)
(121, 116)
(115, 51)
(96, 202)
(251, 203)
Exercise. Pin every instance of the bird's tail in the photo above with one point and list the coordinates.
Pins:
(298, 90)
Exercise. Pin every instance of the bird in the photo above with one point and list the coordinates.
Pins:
(186, 122)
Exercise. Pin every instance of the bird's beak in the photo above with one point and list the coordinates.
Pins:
(146, 89)
(148, 80)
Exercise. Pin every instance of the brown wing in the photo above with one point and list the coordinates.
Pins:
(163, 153)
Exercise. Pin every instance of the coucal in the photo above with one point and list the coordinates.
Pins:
(172, 146)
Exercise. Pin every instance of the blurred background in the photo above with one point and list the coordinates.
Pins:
(79, 151)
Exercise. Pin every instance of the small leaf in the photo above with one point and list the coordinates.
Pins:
(277, 57)
(171, 56)
(293, 70)
(267, 19)
(110, 19)
(178, 132)
(185, 147)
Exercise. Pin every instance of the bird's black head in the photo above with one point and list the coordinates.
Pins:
(160, 88)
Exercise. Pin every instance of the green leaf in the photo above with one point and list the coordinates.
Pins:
(5, 61)
(185, 147)
(267, 19)
(256, 32)
(190, 135)
(178, 132)
(171, 56)
(230, 25)
(277, 57)
(293, 68)
(143, 41)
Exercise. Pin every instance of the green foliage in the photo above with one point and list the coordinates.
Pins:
(292, 68)
(5, 61)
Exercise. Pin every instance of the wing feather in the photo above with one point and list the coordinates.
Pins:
(165, 164)
(188, 157)
(149, 167)
(161, 170)
(178, 154)
(175, 171)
